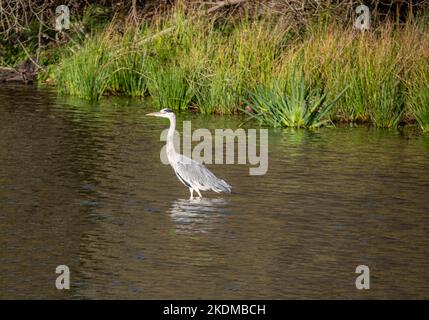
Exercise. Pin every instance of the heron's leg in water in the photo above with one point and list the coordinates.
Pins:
(192, 193)
(199, 193)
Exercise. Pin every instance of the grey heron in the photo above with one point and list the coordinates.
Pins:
(191, 173)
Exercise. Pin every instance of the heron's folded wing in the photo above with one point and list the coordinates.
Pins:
(198, 176)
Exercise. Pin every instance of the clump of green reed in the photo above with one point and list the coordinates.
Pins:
(87, 72)
(130, 64)
(84, 75)
(170, 87)
(219, 87)
(370, 63)
(328, 61)
(176, 61)
(378, 78)
(418, 92)
(219, 93)
(238, 59)
(295, 105)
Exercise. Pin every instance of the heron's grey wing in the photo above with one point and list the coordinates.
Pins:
(195, 175)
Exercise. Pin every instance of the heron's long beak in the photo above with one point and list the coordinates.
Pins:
(154, 114)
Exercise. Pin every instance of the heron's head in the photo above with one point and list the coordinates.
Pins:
(164, 113)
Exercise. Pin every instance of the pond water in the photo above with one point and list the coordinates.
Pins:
(82, 185)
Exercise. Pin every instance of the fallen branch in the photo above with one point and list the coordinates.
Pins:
(152, 37)
(225, 3)
(29, 57)
(9, 74)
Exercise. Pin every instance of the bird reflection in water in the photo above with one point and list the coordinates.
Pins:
(199, 215)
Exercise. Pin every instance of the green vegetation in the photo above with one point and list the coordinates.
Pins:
(296, 105)
(86, 74)
(417, 87)
(184, 60)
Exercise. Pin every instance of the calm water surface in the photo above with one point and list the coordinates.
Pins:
(82, 184)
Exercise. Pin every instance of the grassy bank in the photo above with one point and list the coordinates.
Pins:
(277, 73)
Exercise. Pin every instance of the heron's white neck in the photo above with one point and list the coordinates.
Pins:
(171, 151)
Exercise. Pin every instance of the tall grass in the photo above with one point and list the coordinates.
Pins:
(184, 60)
(417, 87)
(86, 74)
(178, 58)
(170, 87)
(377, 78)
(130, 65)
(417, 98)
(369, 64)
